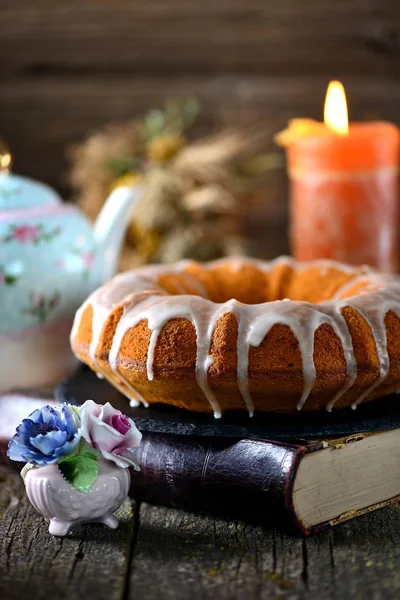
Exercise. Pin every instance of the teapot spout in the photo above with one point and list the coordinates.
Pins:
(111, 225)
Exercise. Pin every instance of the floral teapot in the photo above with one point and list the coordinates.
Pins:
(51, 258)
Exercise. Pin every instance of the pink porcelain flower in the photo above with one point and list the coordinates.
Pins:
(26, 234)
(110, 432)
(88, 259)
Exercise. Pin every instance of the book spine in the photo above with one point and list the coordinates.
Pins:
(246, 478)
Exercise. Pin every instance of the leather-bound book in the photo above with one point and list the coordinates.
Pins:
(311, 484)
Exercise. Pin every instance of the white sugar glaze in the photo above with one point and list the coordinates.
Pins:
(143, 298)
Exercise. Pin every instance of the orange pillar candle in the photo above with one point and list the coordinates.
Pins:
(343, 190)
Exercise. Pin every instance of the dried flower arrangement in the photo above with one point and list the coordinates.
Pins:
(195, 194)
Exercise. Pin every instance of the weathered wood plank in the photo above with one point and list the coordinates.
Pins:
(177, 36)
(361, 556)
(92, 562)
(182, 555)
(68, 68)
(40, 116)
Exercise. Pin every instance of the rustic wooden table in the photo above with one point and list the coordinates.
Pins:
(173, 554)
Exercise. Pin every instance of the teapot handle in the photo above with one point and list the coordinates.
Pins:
(111, 225)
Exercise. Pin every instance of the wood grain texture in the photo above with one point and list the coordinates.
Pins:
(41, 116)
(172, 554)
(69, 68)
(200, 35)
(92, 562)
(181, 555)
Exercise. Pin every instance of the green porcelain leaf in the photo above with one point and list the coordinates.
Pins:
(80, 470)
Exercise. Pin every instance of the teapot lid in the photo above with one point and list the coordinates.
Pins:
(21, 192)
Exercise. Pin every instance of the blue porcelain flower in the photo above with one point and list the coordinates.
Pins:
(46, 436)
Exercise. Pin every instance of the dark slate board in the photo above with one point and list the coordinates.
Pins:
(374, 416)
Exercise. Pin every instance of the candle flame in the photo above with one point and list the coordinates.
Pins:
(335, 111)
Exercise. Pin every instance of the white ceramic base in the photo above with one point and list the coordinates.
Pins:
(61, 528)
(66, 507)
(36, 357)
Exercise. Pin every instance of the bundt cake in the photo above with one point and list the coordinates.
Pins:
(245, 334)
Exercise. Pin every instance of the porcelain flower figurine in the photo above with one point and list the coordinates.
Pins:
(46, 436)
(77, 462)
(109, 431)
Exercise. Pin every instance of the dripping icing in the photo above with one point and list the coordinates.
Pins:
(254, 321)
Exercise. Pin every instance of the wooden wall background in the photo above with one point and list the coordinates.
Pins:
(68, 67)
